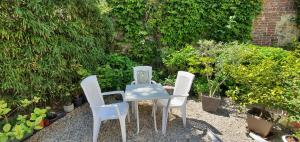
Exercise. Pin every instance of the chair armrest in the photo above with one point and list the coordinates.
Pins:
(175, 96)
(108, 107)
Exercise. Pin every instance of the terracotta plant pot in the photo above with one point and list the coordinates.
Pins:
(42, 123)
(289, 138)
(295, 125)
(169, 89)
(257, 124)
(69, 108)
(210, 104)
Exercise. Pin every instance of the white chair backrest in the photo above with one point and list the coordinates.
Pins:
(142, 74)
(92, 90)
(183, 83)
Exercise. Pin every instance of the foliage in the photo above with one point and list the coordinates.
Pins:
(114, 74)
(199, 60)
(262, 75)
(297, 134)
(142, 27)
(200, 86)
(17, 128)
(181, 60)
(44, 43)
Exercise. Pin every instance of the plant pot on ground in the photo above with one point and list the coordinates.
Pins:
(212, 100)
(210, 103)
(68, 105)
(259, 121)
(78, 100)
(289, 138)
(212, 80)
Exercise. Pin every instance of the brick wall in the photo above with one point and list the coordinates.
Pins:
(266, 26)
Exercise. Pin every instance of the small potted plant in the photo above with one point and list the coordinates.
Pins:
(78, 98)
(68, 105)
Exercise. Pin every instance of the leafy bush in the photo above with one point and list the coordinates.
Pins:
(44, 43)
(263, 75)
(144, 26)
(16, 128)
(199, 59)
(115, 74)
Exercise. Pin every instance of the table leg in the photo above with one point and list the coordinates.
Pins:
(154, 115)
(137, 116)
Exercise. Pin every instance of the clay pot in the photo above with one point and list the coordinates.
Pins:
(257, 124)
(210, 104)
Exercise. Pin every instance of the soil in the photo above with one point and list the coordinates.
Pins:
(260, 113)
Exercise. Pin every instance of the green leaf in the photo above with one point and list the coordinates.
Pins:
(18, 132)
(6, 127)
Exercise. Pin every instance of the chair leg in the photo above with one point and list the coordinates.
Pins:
(128, 116)
(164, 120)
(132, 107)
(153, 107)
(154, 115)
(96, 128)
(123, 128)
(183, 113)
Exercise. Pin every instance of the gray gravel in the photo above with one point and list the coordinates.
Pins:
(77, 126)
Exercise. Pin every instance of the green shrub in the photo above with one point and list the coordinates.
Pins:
(44, 43)
(199, 59)
(116, 73)
(265, 76)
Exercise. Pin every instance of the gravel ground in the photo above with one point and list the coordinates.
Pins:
(77, 126)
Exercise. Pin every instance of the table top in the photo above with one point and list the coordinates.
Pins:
(142, 92)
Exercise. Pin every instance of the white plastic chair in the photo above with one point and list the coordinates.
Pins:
(182, 87)
(142, 75)
(100, 110)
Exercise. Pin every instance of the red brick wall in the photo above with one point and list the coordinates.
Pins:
(264, 25)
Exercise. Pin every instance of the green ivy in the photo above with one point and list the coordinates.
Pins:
(144, 26)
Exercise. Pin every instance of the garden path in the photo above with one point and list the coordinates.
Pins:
(77, 126)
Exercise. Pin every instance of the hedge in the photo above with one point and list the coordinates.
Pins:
(44, 43)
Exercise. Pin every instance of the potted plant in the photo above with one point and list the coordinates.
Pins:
(260, 121)
(68, 105)
(211, 99)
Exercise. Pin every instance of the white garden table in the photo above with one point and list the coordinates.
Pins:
(142, 92)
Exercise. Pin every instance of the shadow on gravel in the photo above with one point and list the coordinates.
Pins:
(198, 124)
(221, 112)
